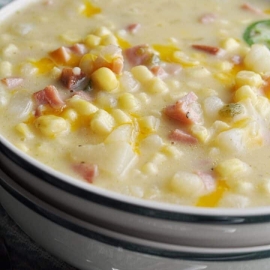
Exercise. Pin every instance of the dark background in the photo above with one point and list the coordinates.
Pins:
(23, 253)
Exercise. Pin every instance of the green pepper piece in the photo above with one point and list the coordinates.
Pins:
(258, 32)
(231, 109)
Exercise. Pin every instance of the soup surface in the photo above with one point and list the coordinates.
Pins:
(164, 100)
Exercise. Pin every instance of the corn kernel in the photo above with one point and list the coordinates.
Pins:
(92, 40)
(109, 40)
(198, 72)
(186, 184)
(144, 98)
(250, 78)
(225, 66)
(102, 31)
(220, 126)
(156, 86)
(105, 100)
(22, 147)
(258, 59)
(245, 92)
(142, 74)
(128, 102)
(200, 132)
(27, 69)
(158, 158)
(149, 124)
(5, 69)
(120, 117)
(150, 168)
(102, 122)
(25, 131)
(51, 125)
(171, 151)
(70, 114)
(105, 79)
(87, 63)
(81, 106)
(263, 106)
(184, 59)
(70, 37)
(231, 168)
(55, 73)
(230, 44)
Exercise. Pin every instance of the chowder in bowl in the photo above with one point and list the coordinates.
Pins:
(142, 126)
(171, 107)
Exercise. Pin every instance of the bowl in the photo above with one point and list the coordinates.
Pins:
(93, 228)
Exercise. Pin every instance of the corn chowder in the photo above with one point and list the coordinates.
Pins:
(161, 100)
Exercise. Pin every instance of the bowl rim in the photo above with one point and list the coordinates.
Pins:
(119, 201)
(192, 253)
(112, 199)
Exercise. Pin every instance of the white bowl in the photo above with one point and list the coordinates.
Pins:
(92, 228)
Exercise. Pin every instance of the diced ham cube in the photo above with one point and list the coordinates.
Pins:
(186, 110)
(49, 95)
(208, 18)
(159, 71)
(61, 55)
(87, 171)
(117, 65)
(78, 49)
(110, 57)
(208, 49)
(179, 135)
(139, 55)
(12, 82)
(249, 7)
(72, 80)
(133, 28)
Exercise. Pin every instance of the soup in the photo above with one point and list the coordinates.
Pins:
(163, 100)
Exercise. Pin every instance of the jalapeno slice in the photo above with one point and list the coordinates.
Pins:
(258, 32)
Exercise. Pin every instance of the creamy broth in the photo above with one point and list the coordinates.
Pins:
(162, 100)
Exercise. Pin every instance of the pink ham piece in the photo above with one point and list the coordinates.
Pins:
(249, 7)
(208, 49)
(159, 71)
(139, 55)
(179, 135)
(133, 28)
(184, 110)
(207, 18)
(49, 95)
(61, 55)
(208, 180)
(111, 57)
(12, 82)
(87, 171)
(78, 48)
(72, 80)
